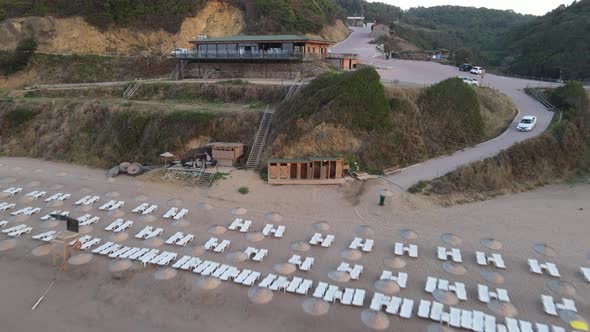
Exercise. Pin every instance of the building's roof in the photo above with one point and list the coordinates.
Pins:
(355, 18)
(260, 38)
(226, 144)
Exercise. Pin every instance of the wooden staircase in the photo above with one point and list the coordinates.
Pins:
(259, 140)
(132, 88)
(206, 179)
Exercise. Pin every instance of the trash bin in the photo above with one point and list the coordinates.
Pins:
(381, 200)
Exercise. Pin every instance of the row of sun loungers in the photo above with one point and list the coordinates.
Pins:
(18, 230)
(393, 305)
(550, 307)
(86, 242)
(277, 232)
(454, 254)
(401, 278)
(259, 254)
(458, 288)
(365, 245)
(354, 271)
(119, 225)
(180, 239)
(241, 224)
(473, 320)
(12, 191)
(55, 212)
(36, 194)
(539, 268)
(6, 206)
(145, 209)
(149, 232)
(331, 293)
(175, 214)
(319, 239)
(47, 236)
(112, 205)
(87, 200)
(214, 244)
(58, 197)
(87, 220)
(303, 265)
(26, 211)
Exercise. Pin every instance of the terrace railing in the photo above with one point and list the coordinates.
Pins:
(238, 56)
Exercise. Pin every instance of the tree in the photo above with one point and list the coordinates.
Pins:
(13, 61)
(463, 55)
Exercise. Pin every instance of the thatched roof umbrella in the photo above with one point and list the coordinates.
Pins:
(166, 155)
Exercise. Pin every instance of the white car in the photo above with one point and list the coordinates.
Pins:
(527, 123)
(477, 70)
(470, 81)
(178, 51)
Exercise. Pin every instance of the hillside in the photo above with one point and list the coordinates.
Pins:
(454, 27)
(148, 27)
(558, 41)
(353, 115)
(373, 11)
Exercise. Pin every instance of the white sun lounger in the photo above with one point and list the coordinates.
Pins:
(260, 255)
(36, 194)
(107, 205)
(53, 197)
(3, 223)
(119, 252)
(114, 224)
(7, 206)
(159, 257)
(145, 231)
(304, 287)
(84, 217)
(220, 271)
(21, 211)
(242, 276)
(167, 259)
(266, 230)
(154, 233)
(281, 283)
(181, 261)
(172, 212)
(32, 211)
(12, 191)
(191, 263)
(124, 226)
(89, 244)
(181, 214)
(467, 319)
(230, 273)
(424, 309)
(150, 210)
(117, 205)
(139, 253)
(537, 268)
(454, 254)
(478, 321)
(102, 247)
(221, 247)
(32, 193)
(320, 290)
(14, 228)
(20, 231)
(307, 263)
(92, 200)
(251, 278)
(174, 238)
(63, 197)
(47, 236)
(210, 269)
(110, 249)
(330, 295)
(90, 221)
(294, 284)
(586, 273)
(186, 239)
(129, 252)
(212, 242)
(485, 295)
(328, 241)
(235, 224)
(406, 309)
(267, 281)
(140, 208)
(146, 259)
(81, 201)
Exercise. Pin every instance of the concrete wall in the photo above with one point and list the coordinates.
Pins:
(252, 70)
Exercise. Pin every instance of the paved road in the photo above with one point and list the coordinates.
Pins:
(420, 72)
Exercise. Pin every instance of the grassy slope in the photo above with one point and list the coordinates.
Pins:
(97, 133)
(561, 152)
(353, 116)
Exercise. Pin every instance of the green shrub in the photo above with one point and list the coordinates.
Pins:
(14, 61)
(569, 98)
(243, 190)
(17, 117)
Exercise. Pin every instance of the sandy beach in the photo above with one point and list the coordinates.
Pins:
(88, 298)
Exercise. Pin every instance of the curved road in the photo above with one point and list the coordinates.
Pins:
(421, 72)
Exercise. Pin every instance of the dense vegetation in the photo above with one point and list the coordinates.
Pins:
(373, 11)
(98, 134)
(453, 27)
(561, 152)
(353, 116)
(13, 61)
(301, 16)
(553, 45)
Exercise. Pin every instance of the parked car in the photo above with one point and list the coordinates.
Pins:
(476, 70)
(465, 67)
(178, 51)
(470, 81)
(527, 123)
